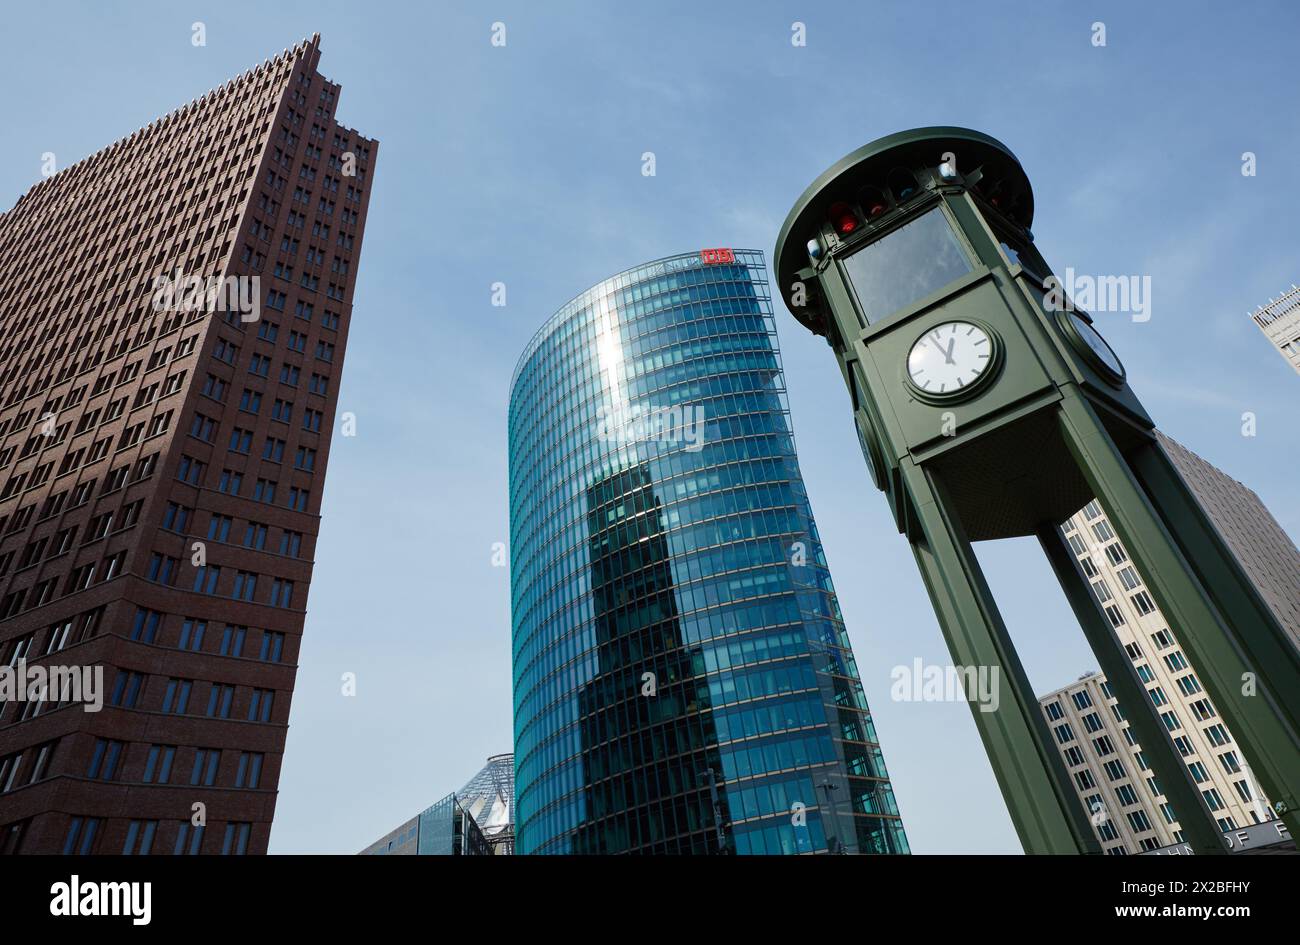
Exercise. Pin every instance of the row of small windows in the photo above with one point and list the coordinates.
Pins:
(164, 569)
(129, 689)
(84, 832)
(150, 626)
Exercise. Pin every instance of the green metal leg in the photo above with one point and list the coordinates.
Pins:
(1047, 813)
(1194, 817)
(1264, 642)
(1216, 643)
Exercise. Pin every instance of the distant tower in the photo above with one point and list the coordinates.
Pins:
(490, 799)
(1106, 763)
(1279, 320)
(176, 309)
(683, 681)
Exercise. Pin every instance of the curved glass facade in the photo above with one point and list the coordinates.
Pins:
(682, 678)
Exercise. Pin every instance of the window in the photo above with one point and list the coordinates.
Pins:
(105, 759)
(158, 764)
(190, 470)
(249, 773)
(206, 761)
(241, 441)
(245, 586)
(281, 593)
(162, 569)
(145, 628)
(176, 518)
(230, 482)
(272, 646)
(219, 527)
(189, 839)
(255, 536)
(177, 699)
(139, 837)
(82, 832)
(203, 428)
(1137, 819)
(126, 689)
(926, 249)
(215, 388)
(220, 699)
(235, 842)
(259, 707)
(192, 631)
(206, 578)
(291, 546)
(232, 640)
(298, 498)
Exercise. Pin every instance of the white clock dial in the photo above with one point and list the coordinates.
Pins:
(1097, 344)
(949, 358)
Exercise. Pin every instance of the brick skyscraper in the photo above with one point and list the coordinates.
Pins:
(162, 456)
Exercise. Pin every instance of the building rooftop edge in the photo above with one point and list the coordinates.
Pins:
(554, 319)
(313, 42)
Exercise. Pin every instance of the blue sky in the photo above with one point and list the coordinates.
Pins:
(522, 165)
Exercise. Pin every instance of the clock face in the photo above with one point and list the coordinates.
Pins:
(949, 358)
(1097, 345)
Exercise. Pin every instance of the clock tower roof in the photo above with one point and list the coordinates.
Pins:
(870, 165)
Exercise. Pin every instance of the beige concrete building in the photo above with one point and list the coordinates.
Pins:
(1279, 320)
(1129, 811)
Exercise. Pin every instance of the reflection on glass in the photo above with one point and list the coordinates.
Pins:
(906, 265)
(682, 674)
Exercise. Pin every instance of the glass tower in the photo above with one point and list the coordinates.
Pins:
(683, 682)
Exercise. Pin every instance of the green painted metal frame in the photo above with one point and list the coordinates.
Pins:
(1217, 614)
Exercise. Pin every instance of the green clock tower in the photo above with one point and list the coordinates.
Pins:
(987, 407)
